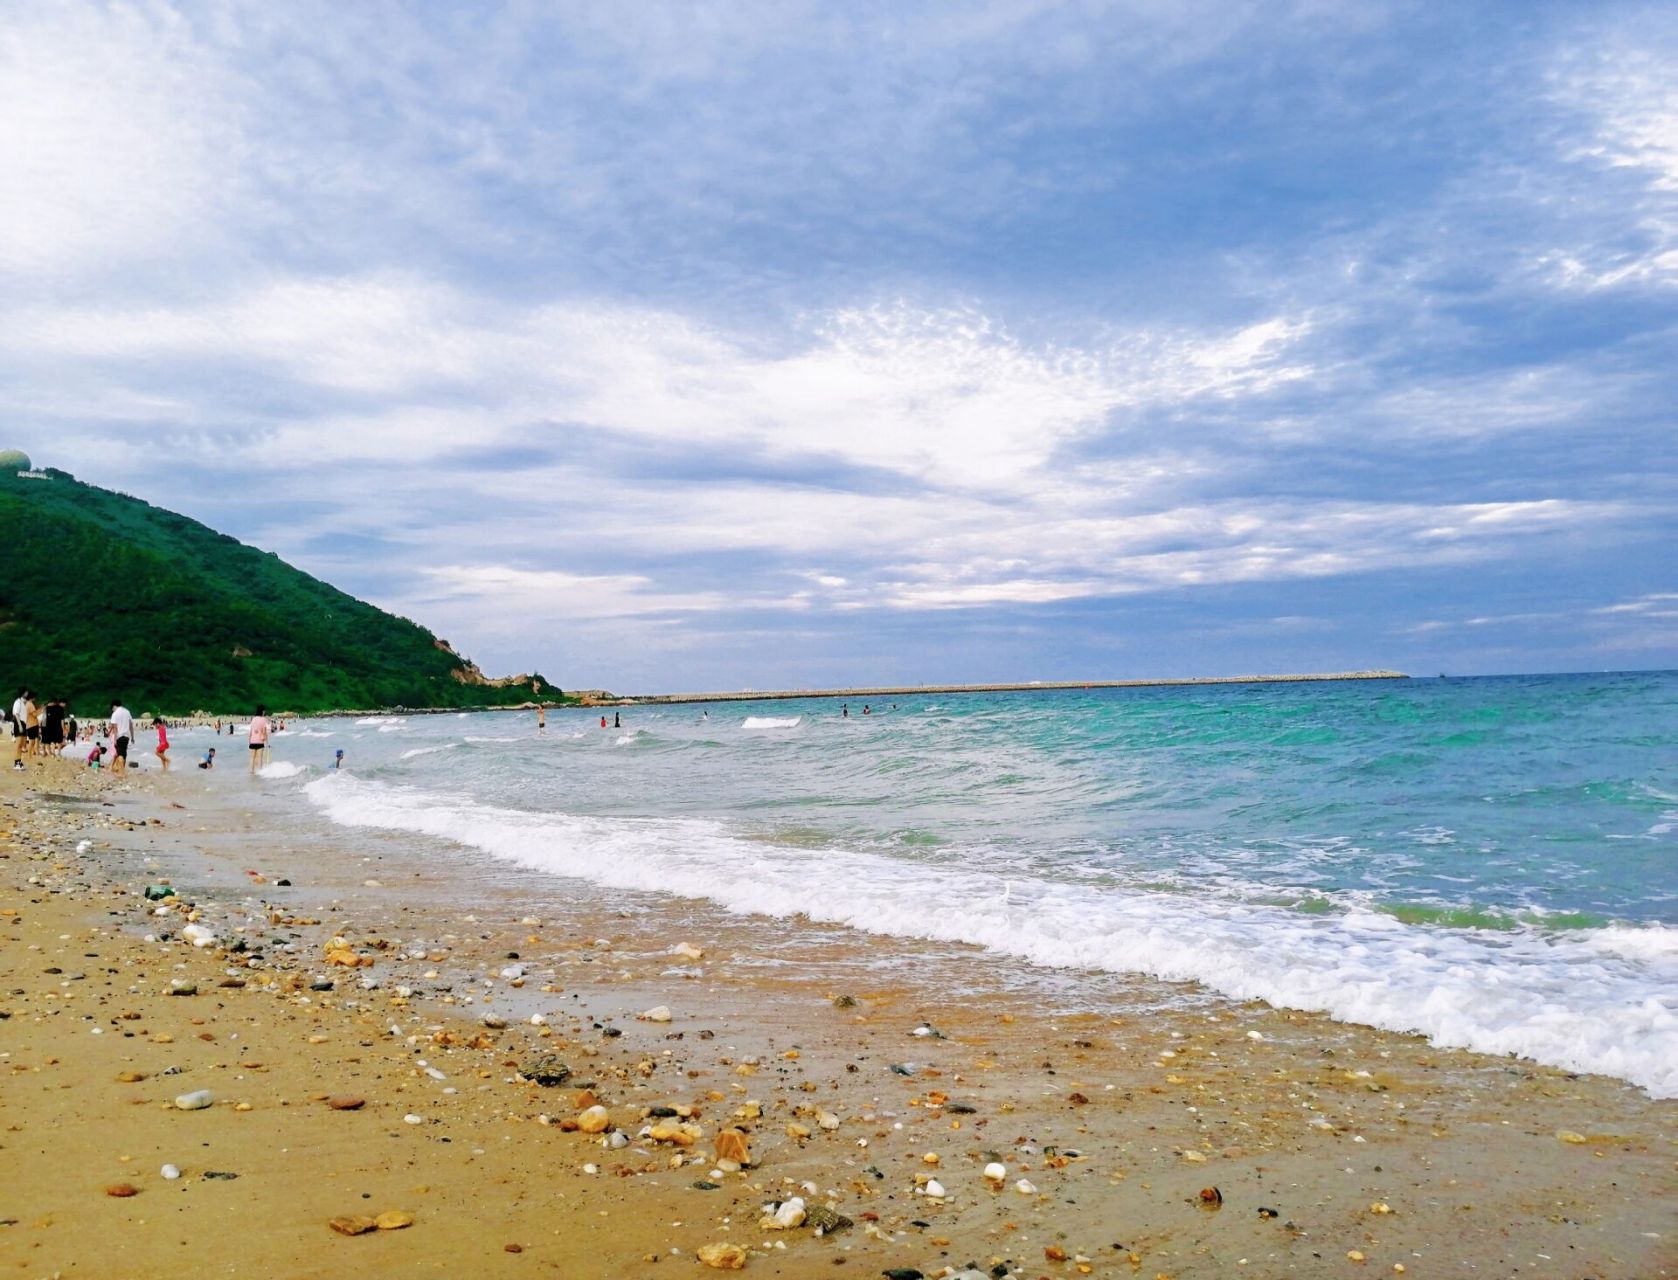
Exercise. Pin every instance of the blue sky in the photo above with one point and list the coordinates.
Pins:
(665, 347)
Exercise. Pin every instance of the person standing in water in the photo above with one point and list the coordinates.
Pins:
(122, 734)
(259, 738)
(541, 718)
(617, 720)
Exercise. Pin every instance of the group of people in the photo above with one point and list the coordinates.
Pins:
(42, 729)
(39, 728)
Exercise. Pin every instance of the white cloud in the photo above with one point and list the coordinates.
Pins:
(117, 141)
(948, 397)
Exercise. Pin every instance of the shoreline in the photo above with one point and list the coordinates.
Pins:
(1119, 1119)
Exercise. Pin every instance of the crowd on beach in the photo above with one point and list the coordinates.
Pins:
(41, 729)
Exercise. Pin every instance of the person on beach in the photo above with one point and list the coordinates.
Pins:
(541, 719)
(617, 720)
(96, 757)
(162, 742)
(52, 728)
(32, 726)
(122, 733)
(338, 759)
(19, 738)
(259, 738)
(73, 729)
(602, 722)
(209, 760)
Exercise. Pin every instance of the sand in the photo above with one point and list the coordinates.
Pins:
(1334, 1150)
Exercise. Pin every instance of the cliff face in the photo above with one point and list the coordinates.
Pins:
(105, 596)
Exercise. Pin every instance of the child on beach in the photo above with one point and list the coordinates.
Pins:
(162, 742)
(96, 756)
(209, 760)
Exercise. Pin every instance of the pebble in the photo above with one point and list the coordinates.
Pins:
(935, 1189)
(346, 1102)
(595, 1120)
(393, 1220)
(122, 1190)
(727, 1257)
(411, 1118)
(1025, 1187)
(785, 1216)
(170, 1172)
(733, 1145)
(687, 951)
(357, 1225)
(658, 1013)
(495, 1022)
(197, 1100)
(996, 1174)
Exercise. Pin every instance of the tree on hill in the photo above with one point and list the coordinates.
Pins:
(103, 594)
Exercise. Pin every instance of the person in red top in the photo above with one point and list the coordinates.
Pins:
(259, 738)
(162, 742)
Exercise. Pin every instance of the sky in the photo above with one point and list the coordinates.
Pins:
(673, 347)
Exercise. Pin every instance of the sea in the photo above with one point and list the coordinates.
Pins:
(1489, 862)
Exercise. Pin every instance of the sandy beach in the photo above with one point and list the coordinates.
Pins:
(363, 1044)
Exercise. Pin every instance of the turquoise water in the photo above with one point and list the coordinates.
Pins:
(1490, 862)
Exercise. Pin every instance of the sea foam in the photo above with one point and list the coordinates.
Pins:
(1582, 1000)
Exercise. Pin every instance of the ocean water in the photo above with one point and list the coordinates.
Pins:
(1490, 862)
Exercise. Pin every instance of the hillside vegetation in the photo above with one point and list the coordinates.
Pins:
(104, 595)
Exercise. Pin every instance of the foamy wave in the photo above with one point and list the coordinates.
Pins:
(280, 769)
(1563, 999)
(380, 720)
(771, 722)
(428, 751)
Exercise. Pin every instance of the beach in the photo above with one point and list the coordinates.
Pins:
(363, 1034)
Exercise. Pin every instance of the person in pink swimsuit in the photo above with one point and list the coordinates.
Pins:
(259, 738)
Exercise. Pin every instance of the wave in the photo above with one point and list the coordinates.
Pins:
(771, 722)
(427, 751)
(380, 720)
(1582, 999)
(281, 769)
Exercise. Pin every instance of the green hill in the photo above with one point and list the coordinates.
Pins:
(104, 595)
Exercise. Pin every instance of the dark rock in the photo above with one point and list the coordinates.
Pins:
(324, 984)
(661, 1113)
(961, 1109)
(546, 1071)
(902, 1273)
(702, 1185)
(824, 1221)
(220, 1175)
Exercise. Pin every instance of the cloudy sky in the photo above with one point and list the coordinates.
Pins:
(685, 346)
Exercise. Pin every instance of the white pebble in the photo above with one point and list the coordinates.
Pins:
(170, 1172)
(997, 1173)
(411, 1118)
(935, 1189)
(1025, 1188)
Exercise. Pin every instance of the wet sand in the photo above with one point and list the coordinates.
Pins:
(1172, 1133)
